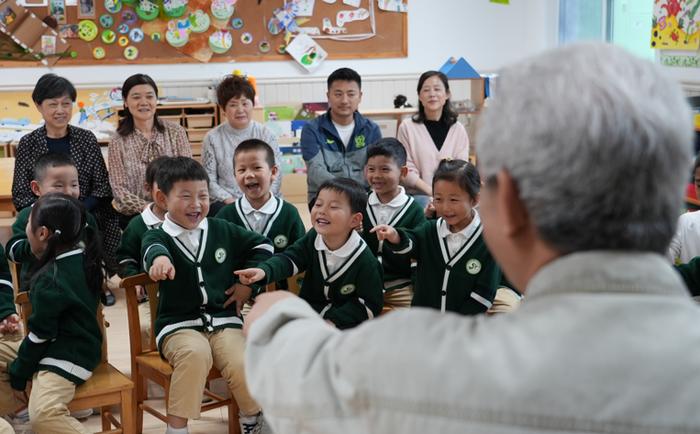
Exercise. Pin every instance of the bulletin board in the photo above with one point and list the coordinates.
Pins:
(383, 34)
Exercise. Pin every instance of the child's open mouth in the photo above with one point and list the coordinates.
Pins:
(193, 217)
(322, 222)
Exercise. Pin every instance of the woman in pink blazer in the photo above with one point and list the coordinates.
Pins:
(431, 135)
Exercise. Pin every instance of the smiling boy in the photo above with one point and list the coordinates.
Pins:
(258, 209)
(343, 280)
(196, 327)
(388, 204)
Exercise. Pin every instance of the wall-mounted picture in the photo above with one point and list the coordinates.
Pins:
(86, 9)
(57, 9)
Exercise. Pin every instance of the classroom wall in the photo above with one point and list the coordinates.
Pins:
(488, 35)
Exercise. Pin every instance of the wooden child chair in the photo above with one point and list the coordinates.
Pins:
(106, 387)
(146, 363)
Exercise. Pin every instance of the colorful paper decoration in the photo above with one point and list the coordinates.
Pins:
(307, 52)
(87, 30)
(392, 5)
(108, 36)
(199, 21)
(675, 25)
(220, 41)
(347, 16)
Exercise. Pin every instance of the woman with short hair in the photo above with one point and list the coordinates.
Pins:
(236, 97)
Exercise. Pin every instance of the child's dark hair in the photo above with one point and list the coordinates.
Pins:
(179, 169)
(66, 218)
(356, 194)
(255, 145)
(461, 172)
(448, 116)
(344, 74)
(50, 160)
(234, 86)
(388, 147)
(126, 124)
(52, 86)
(152, 170)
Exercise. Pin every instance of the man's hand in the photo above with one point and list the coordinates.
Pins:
(10, 324)
(162, 269)
(386, 232)
(263, 303)
(238, 294)
(249, 276)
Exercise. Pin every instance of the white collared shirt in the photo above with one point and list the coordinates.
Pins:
(190, 238)
(384, 212)
(258, 218)
(455, 240)
(150, 219)
(336, 258)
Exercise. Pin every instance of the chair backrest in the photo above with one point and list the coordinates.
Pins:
(294, 283)
(24, 307)
(130, 285)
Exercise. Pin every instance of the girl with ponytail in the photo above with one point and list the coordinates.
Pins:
(64, 340)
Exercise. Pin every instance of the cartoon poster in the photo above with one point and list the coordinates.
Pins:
(675, 25)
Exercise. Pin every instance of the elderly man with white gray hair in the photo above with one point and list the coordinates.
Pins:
(585, 151)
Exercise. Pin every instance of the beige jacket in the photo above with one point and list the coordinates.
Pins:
(603, 342)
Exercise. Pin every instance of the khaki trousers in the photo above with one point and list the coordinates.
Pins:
(48, 405)
(9, 346)
(399, 298)
(192, 354)
(5, 427)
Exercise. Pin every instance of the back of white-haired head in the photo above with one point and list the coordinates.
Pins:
(598, 143)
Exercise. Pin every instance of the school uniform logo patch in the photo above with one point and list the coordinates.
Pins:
(347, 289)
(473, 266)
(220, 255)
(360, 141)
(280, 241)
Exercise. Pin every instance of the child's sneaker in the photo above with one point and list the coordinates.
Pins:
(251, 424)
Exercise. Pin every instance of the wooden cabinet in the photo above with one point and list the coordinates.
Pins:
(197, 119)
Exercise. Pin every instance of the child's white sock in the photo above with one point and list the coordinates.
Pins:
(172, 430)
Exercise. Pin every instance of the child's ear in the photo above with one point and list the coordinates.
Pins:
(36, 188)
(160, 198)
(275, 170)
(43, 233)
(356, 220)
(475, 200)
(404, 172)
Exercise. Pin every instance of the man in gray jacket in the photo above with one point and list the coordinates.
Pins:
(584, 153)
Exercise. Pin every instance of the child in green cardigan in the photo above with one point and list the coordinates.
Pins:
(129, 250)
(64, 341)
(343, 280)
(258, 209)
(196, 326)
(53, 173)
(389, 204)
(456, 272)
